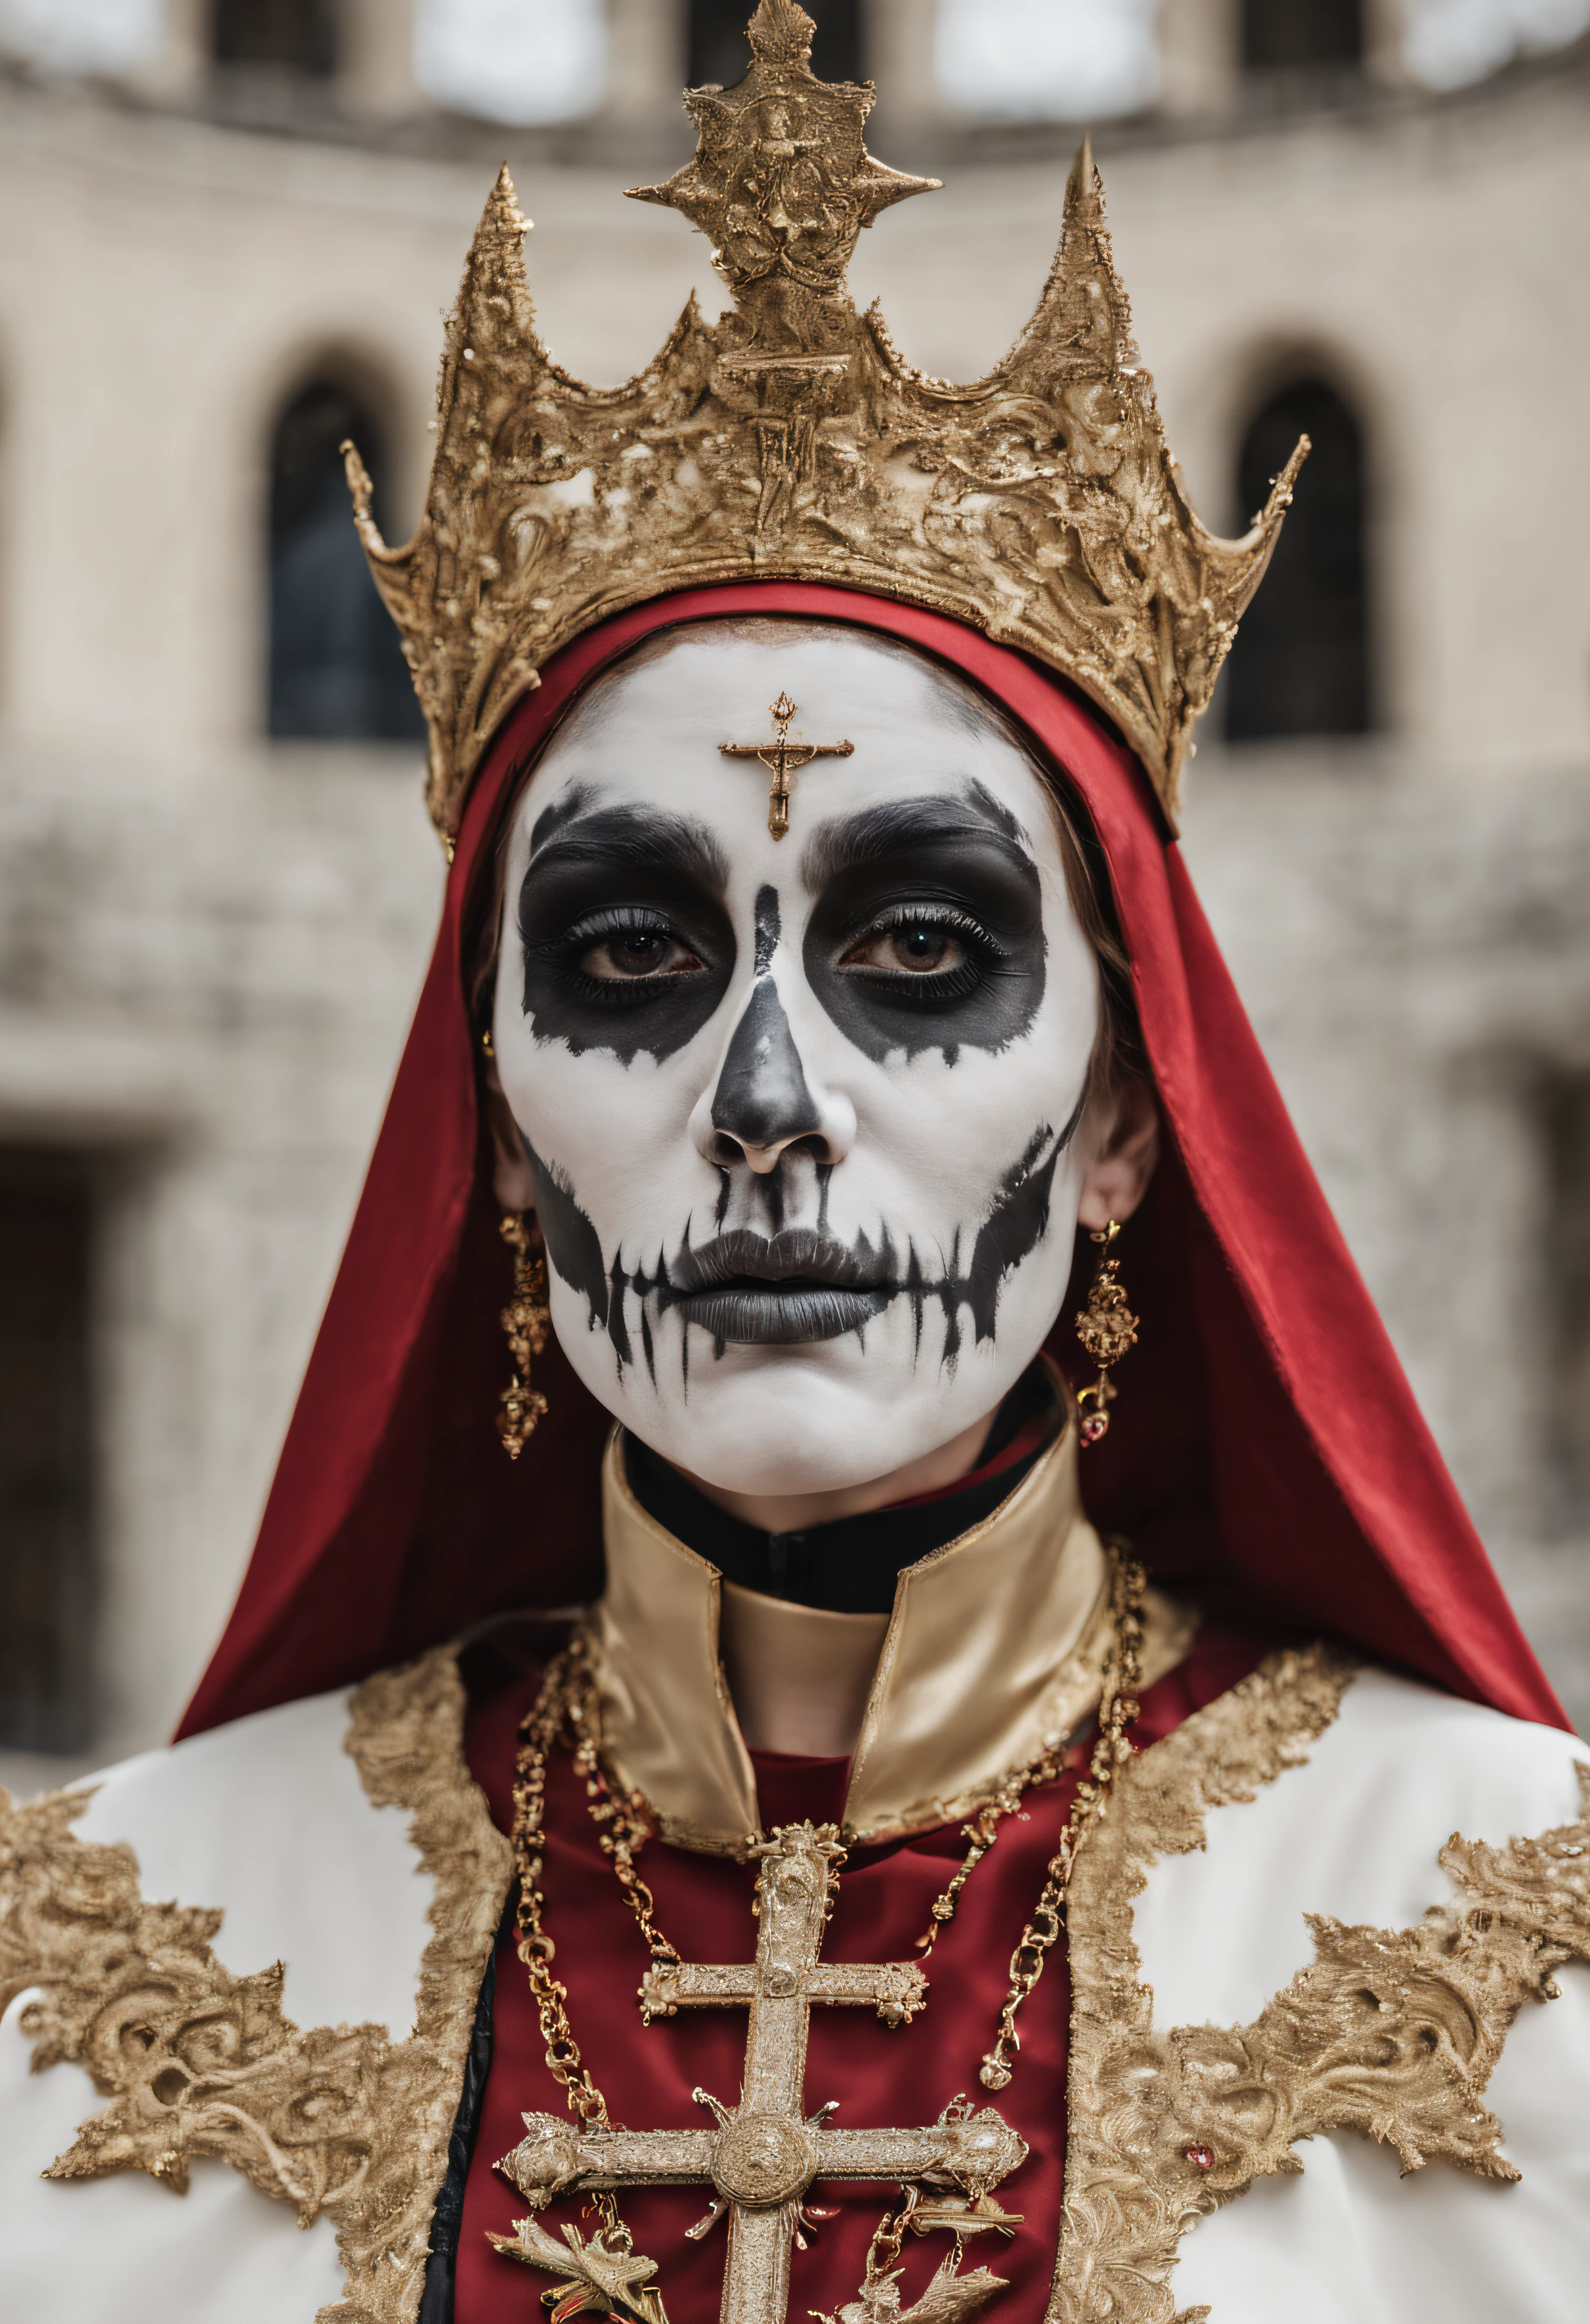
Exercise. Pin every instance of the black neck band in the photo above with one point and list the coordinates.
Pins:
(849, 1565)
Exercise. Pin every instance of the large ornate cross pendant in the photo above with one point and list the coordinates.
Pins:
(761, 2158)
(781, 757)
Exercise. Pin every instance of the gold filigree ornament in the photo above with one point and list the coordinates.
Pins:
(789, 440)
(1107, 1329)
(198, 2063)
(526, 1322)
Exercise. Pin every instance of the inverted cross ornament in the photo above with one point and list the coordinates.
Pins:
(759, 2158)
(781, 757)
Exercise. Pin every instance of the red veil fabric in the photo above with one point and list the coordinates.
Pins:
(1265, 1452)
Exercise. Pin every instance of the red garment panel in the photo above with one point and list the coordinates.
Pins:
(905, 2077)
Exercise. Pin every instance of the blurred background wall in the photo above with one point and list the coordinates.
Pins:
(229, 228)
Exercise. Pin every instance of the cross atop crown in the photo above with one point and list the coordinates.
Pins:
(781, 182)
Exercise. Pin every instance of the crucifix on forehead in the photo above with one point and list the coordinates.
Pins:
(762, 2157)
(781, 757)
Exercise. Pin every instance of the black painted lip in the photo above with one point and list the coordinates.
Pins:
(779, 1290)
(796, 1259)
(782, 1314)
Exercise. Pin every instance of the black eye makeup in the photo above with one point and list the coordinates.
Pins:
(627, 945)
(928, 928)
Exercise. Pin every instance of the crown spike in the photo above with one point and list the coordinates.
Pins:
(1267, 523)
(1084, 184)
(790, 440)
(361, 491)
(502, 214)
(781, 33)
(494, 295)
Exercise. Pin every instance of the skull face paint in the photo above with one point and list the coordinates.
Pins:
(800, 1113)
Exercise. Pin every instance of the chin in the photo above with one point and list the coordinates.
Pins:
(812, 1417)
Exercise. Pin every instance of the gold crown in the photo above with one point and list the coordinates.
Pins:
(789, 442)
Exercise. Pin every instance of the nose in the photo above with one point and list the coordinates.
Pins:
(763, 1104)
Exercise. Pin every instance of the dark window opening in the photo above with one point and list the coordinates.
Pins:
(1289, 36)
(1567, 1250)
(1301, 663)
(337, 670)
(719, 55)
(290, 36)
(47, 1444)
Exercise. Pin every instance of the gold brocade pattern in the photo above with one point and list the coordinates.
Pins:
(197, 2062)
(789, 440)
(1393, 2034)
(407, 1739)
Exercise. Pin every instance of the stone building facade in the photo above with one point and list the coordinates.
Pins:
(212, 932)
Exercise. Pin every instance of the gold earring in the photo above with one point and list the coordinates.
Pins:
(526, 1321)
(1107, 1328)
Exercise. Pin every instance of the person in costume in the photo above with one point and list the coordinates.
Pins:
(947, 1720)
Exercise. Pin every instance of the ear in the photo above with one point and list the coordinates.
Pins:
(1124, 1157)
(511, 1182)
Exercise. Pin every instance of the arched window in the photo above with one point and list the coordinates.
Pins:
(46, 1447)
(1300, 664)
(336, 668)
(1056, 60)
(1293, 35)
(719, 55)
(1565, 1247)
(294, 36)
(524, 63)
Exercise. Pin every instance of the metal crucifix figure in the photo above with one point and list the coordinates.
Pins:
(761, 2158)
(781, 757)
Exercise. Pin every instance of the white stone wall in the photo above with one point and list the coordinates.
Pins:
(209, 946)
(1415, 956)
(206, 974)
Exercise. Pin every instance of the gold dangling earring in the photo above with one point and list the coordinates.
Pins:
(1107, 1328)
(526, 1320)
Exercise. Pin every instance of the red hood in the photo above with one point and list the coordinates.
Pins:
(1265, 1452)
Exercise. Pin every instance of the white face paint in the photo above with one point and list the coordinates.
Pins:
(800, 1112)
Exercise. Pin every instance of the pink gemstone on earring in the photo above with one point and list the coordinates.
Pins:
(1201, 2157)
(1095, 1425)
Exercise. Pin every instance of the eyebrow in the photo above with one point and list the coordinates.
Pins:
(574, 831)
(850, 842)
(577, 800)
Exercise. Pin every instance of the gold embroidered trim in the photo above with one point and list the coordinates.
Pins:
(1391, 2033)
(405, 1738)
(197, 2062)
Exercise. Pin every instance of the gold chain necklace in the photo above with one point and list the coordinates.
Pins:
(566, 1708)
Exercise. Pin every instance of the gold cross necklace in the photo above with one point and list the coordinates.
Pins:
(762, 2157)
(781, 757)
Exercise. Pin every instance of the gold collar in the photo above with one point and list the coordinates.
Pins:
(996, 1647)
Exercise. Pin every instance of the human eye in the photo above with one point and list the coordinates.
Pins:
(921, 951)
(628, 950)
